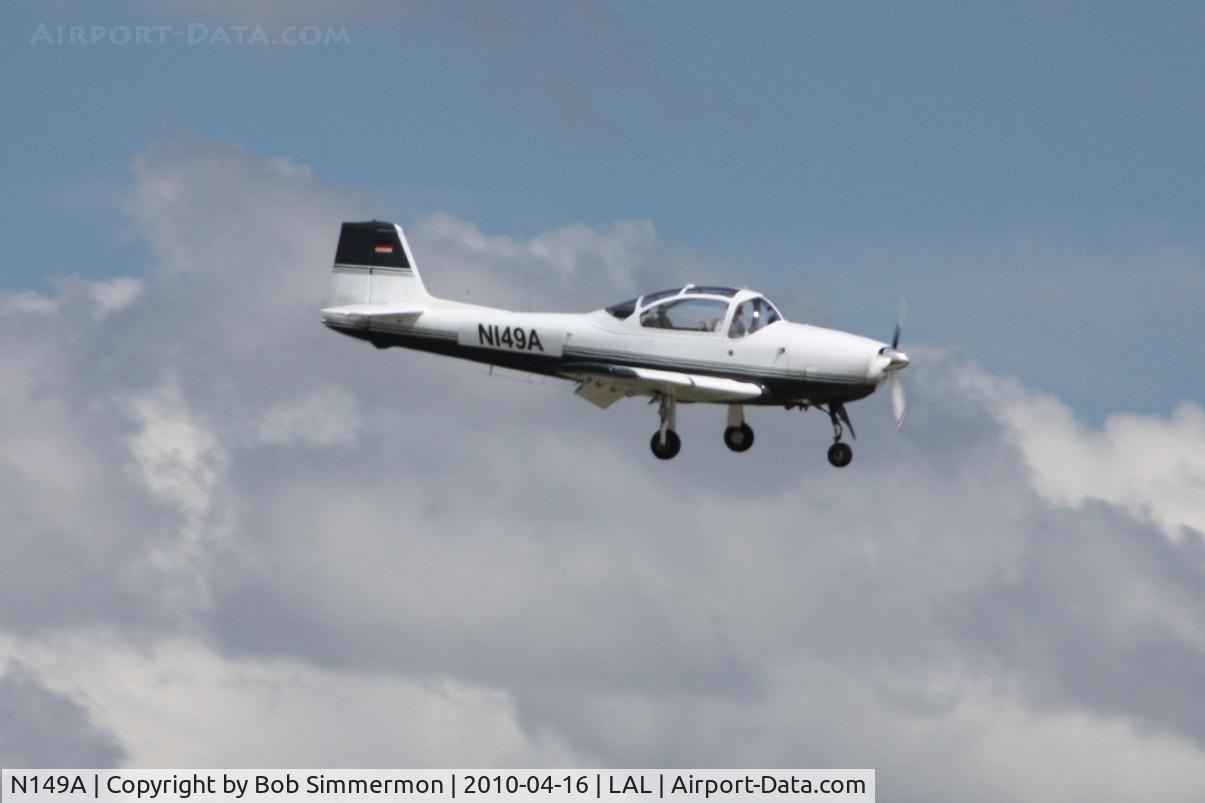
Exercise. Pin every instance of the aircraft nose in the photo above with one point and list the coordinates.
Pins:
(896, 359)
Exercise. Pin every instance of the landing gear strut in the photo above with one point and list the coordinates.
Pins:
(738, 436)
(839, 454)
(666, 443)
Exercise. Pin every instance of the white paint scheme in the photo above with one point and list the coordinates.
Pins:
(611, 357)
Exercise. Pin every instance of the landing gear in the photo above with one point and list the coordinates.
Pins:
(666, 443)
(840, 454)
(738, 436)
(667, 449)
(739, 439)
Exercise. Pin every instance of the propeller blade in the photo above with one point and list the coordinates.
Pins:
(899, 407)
(899, 322)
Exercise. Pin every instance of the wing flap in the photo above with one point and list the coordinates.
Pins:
(600, 391)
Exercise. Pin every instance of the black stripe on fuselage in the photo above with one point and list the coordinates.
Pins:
(700, 366)
(779, 389)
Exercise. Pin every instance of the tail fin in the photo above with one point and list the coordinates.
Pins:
(373, 265)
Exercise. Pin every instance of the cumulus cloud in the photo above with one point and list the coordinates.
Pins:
(175, 458)
(512, 566)
(73, 529)
(322, 418)
(27, 302)
(178, 703)
(114, 295)
(1153, 466)
(178, 462)
(44, 728)
(554, 269)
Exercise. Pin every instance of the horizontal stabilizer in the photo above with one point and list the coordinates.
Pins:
(359, 316)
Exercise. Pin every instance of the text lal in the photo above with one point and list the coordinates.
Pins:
(630, 785)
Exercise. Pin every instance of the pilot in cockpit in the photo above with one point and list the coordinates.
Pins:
(737, 327)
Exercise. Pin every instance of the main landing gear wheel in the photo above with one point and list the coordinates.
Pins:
(666, 443)
(839, 454)
(672, 445)
(739, 439)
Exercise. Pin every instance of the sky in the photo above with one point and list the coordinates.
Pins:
(233, 538)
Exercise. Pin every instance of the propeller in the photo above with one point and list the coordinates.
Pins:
(899, 322)
(897, 361)
(899, 407)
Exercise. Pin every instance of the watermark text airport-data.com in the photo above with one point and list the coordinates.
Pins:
(192, 34)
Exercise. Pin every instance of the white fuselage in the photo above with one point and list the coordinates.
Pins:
(712, 344)
(794, 363)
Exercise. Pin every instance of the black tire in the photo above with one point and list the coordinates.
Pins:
(839, 454)
(671, 447)
(739, 439)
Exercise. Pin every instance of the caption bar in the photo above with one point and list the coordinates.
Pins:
(478, 786)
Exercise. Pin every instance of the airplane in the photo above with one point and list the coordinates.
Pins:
(691, 344)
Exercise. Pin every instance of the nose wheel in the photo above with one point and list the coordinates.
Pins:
(840, 454)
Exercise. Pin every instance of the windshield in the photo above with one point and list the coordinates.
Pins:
(660, 294)
(623, 309)
(712, 290)
(686, 314)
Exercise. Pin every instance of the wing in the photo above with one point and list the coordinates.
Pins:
(604, 384)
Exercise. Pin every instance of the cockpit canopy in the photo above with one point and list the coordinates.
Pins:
(700, 308)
